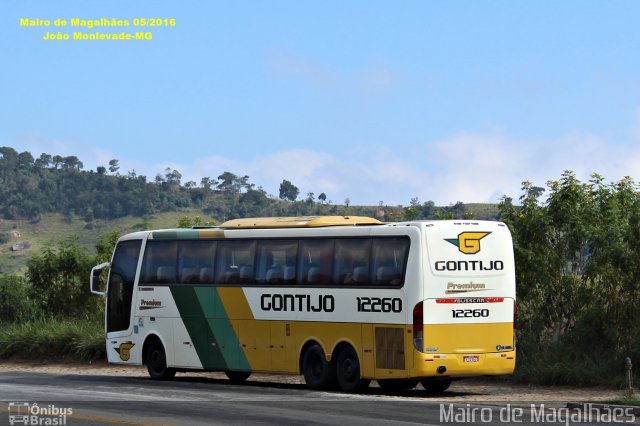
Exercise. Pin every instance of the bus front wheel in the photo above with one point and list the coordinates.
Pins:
(318, 373)
(348, 371)
(156, 361)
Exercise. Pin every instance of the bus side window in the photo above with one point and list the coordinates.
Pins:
(351, 261)
(276, 262)
(159, 264)
(315, 261)
(235, 262)
(195, 261)
(389, 260)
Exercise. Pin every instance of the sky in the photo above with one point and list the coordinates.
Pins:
(374, 101)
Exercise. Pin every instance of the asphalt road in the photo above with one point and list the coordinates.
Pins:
(104, 400)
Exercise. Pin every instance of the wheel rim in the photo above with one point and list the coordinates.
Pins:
(349, 369)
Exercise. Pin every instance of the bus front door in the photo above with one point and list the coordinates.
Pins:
(120, 286)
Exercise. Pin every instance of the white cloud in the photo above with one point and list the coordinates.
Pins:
(483, 167)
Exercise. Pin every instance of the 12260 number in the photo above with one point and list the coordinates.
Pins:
(470, 313)
(379, 304)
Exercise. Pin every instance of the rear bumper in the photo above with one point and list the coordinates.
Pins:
(463, 365)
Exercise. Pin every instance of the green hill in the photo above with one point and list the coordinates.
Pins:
(47, 199)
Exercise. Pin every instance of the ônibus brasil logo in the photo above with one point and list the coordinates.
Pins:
(25, 413)
(468, 242)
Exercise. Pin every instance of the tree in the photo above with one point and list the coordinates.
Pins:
(230, 183)
(56, 161)
(101, 170)
(25, 160)
(578, 274)
(288, 191)
(207, 182)
(172, 178)
(243, 182)
(310, 198)
(322, 197)
(58, 278)
(44, 160)
(428, 209)
(72, 163)
(114, 166)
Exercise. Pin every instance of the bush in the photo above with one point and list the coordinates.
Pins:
(15, 303)
(59, 280)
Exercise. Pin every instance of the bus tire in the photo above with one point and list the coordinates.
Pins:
(348, 371)
(156, 361)
(237, 376)
(397, 384)
(318, 373)
(436, 385)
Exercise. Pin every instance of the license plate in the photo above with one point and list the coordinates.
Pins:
(472, 358)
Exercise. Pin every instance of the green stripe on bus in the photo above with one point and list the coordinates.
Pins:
(208, 325)
(201, 333)
(220, 325)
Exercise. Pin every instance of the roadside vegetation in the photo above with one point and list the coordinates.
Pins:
(49, 313)
(577, 250)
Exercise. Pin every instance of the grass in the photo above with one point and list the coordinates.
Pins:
(46, 339)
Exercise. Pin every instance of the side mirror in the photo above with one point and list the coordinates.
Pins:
(94, 282)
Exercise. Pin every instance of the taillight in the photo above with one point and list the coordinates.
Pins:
(418, 326)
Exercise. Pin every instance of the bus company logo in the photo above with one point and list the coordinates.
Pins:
(468, 242)
(150, 304)
(24, 413)
(124, 350)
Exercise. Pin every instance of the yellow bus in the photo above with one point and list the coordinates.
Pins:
(340, 300)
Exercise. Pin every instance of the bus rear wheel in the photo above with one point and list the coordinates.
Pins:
(318, 373)
(397, 384)
(237, 376)
(436, 385)
(156, 361)
(348, 371)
